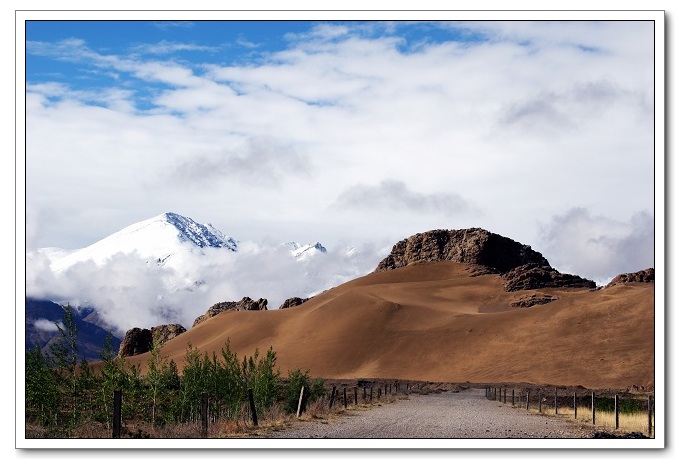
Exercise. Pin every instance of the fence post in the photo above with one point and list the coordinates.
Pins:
(371, 395)
(592, 405)
(356, 399)
(344, 396)
(505, 395)
(540, 403)
(574, 405)
(616, 411)
(379, 392)
(302, 391)
(204, 415)
(117, 401)
(253, 411)
(649, 414)
(513, 397)
(330, 404)
(527, 400)
(364, 392)
(555, 401)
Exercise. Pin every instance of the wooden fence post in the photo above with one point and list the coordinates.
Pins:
(649, 414)
(371, 395)
(356, 400)
(592, 405)
(555, 401)
(302, 391)
(253, 411)
(540, 403)
(204, 415)
(117, 402)
(330, 404)
(513, 397)
(505, 395)
(575, 405)
(527, 400)
(344, 396)
(616, 411)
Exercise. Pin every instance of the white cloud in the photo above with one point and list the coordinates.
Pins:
(521, 123)
(597, 246)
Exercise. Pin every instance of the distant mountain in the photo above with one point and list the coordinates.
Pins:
(166, 239)
(170, 269)
(41, 330)
(305, 251)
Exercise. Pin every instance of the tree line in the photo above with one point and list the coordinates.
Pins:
(62, 392)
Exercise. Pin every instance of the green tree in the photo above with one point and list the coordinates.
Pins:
(42, 393)
(65, 353)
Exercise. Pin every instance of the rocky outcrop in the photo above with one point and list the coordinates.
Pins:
(138, 340)
(166, 332)
(246, 304)
(642, 276)
(521, 267)
(292, 302)
(534, 299)
(529, 277)
(469, 246)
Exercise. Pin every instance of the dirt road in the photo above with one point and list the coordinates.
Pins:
(464, 414)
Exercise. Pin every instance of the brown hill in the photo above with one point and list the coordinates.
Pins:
(446, 322)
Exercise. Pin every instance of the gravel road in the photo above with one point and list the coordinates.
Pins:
(464, 414)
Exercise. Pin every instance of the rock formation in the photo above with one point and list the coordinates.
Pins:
(292, 302)
(534, 299)
(520, 266)
(643, 276)
(138, 340)
(246, 304)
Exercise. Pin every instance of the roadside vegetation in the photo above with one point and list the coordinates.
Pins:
(70, 399)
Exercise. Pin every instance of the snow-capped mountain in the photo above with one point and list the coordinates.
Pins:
(167, 238)
(305, 251)
(171, 269)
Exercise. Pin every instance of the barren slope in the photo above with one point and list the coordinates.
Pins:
(437, 322)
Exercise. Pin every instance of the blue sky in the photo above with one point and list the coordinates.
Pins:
(348, 133)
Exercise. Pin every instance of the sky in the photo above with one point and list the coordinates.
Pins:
(348, 133)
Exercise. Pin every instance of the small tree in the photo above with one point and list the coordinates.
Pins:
(65, 353)
(42, 393)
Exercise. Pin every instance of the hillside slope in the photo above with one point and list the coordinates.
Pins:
(441, 321)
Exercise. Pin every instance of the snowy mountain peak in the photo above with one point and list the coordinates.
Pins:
(302, 251)
(199, 234)
(163, 237)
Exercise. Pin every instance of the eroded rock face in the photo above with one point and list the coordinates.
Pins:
(246, 304)
(520, 266)
(642, 276)
(529, 277)
(138, 340)
(166, 332)
(292, 302)
(469, 246)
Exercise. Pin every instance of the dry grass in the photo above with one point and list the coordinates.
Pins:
(604, 420)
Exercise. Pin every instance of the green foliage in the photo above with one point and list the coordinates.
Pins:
(42, 393)
(314, 389)
(60, 393)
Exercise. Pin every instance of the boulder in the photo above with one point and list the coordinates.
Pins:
(138, 340)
